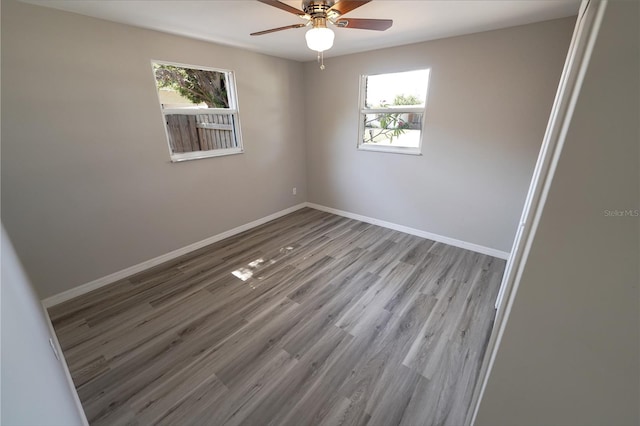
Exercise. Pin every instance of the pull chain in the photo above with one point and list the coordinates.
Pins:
(321, 60)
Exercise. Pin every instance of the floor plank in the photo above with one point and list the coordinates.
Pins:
(310, 319)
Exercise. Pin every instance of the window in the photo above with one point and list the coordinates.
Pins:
(392, 110)
(200, 110)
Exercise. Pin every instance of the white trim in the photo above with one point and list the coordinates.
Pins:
(395, 109)
(399, 109)
(197, 155)
(65, 368)
(578, 58)
(116, 276)
(417, 232)
(197, 67)
(198, 111)
(233, 111)
(405, 150)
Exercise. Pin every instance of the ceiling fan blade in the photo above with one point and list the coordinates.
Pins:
(284, 6)
(346, 6)
(365, 24)
(273, 30)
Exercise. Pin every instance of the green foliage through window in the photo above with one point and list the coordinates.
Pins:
(199, 86)
(383, 126)
(403, 99)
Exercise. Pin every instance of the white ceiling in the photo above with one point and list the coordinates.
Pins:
(230, 22)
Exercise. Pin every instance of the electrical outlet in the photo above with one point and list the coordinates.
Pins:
(294, 191)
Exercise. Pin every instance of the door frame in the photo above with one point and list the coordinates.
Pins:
(582, 43)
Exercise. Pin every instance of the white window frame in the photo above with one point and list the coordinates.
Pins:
(363, 111)
(232, 111)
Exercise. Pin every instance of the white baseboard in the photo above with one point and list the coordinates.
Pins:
(417, 232)
(65, 368)
(116, 276)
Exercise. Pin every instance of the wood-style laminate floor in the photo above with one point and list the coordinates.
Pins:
(311, 319)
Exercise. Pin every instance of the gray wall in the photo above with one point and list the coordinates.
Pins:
(35, 389)
(88, 189)
(569, 355)
(489, 100)
(87, 186)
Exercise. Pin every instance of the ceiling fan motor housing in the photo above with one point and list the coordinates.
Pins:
(317, 8)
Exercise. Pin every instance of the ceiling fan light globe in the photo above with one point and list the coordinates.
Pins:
(319, 39)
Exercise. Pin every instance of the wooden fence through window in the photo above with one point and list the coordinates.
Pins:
(200, 132)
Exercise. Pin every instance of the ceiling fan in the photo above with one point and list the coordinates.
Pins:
(318, 13)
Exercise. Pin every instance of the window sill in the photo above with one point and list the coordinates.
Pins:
(390, 149)
(197, 155)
